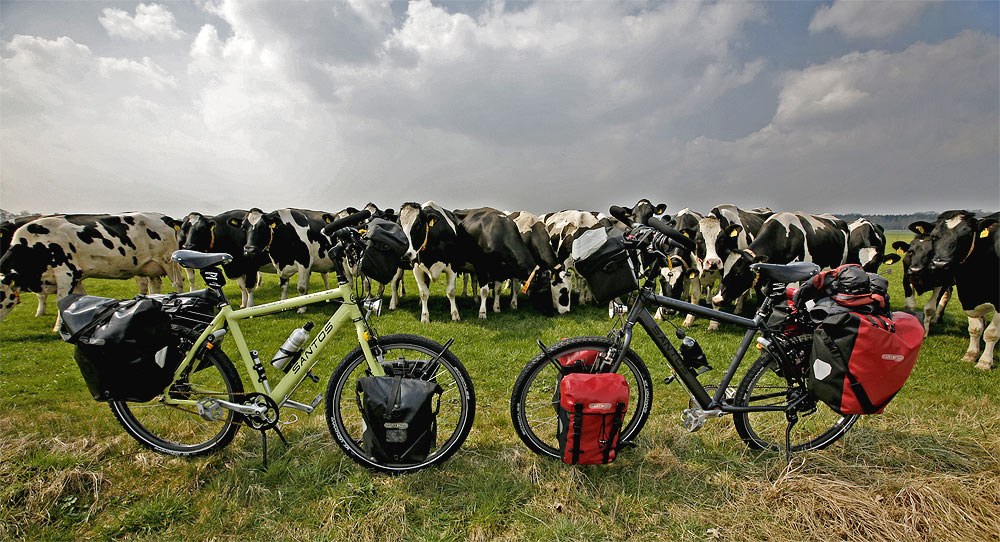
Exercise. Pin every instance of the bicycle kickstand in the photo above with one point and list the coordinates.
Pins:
(793, 418)
(263, 437)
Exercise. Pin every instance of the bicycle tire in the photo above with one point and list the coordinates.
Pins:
(532, 405)
(766, 430)
(455, 416)
(182, 431)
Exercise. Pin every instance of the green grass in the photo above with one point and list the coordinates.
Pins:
(929, 468)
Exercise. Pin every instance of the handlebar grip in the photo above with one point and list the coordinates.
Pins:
(673, 234)
(620, 214)
(349, 220)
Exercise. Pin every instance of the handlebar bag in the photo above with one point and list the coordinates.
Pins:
(125, 349)
(400, 417)
(385, 244)
(605, 263)
(591, 410)
(861, 361)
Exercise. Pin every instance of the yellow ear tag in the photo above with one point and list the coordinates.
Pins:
(362, 232)
(327, 219)
(920, 229)
(984, 234)
(176, 227)
(272, 226)
(687, 234)
(670, 264)
(212, 227)
(734, 233)
(431, 222)
(900, 251)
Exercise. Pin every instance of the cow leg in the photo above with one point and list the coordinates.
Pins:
(450, 292)
(991, 335)
(64, 286)
(942, 304)
(326, 281)
(422, 279)
(695, 290)
(397, 279)
(929, 309)
(484, 292)
(142, 285)
(976, 326)
(303, 285)
(155, 285)
(713, 325)
(515, 286)
(175, 275)
(190, 278)
(465, 284)
(497, 288)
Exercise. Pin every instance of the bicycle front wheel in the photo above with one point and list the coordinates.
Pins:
(818, 425)
(455, 414)
(176, 430)
(534, 400)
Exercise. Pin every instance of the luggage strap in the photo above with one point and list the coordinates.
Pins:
(99, 318)
(616, 426)
(862, 396)
(577, 427)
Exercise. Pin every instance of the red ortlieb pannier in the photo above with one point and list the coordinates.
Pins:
(580, 361)
(591, 409)
(860, 361)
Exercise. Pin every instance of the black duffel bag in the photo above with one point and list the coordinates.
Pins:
(400, 417)
(607, 267)
(125, 348)
(385, 244)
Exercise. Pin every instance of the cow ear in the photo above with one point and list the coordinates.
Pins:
(760, 259)
(890, 259)
(733, 230)
(920, 227)
(688, 232)
(901, 247)
(660, 209)
(693, 273)
(985, 225)
(628, 211)
(431, 222)
(234, 222)
(271, 219)
(327, 217)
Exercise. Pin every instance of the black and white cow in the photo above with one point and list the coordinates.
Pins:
(551, 271)
(786, 238)
(499, 253)
(294, 243)
(867, 245)
(966, 250)
(643, 210)
(224, 233)
(680, 278)
(63, 250)
(940, 295)
(436, 245)
(719, 237)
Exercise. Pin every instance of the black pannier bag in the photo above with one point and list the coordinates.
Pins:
(400, 416)
(190, 310)
(385, 245)
(601, 258)
(125, 349)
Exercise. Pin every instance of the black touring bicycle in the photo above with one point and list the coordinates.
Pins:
(772, 397)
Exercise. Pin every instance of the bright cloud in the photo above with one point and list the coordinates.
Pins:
(868, 19)
(151, 22)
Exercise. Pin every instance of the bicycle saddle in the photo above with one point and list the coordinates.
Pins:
(791, 272)
(199, 260)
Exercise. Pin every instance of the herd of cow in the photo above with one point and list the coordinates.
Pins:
(53, 254)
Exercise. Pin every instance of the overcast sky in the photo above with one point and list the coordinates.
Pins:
(217, 104)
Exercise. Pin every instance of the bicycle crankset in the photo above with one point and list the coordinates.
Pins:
(268, 418)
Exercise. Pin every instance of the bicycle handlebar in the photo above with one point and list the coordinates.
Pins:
(657, 224)
(349, 220)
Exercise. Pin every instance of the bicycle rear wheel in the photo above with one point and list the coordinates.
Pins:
(455, 414)
(818, 425)
(176, 430)
(533, 401)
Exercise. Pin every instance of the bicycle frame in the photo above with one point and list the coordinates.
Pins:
(229, 318)
(639, 314)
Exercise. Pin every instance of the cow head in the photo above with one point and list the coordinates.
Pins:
(197, 233)
(949, 242)
(674, 274)
(643, 210)
(550, 290)
(739, 278)
(425, 225)
(21, 269)
(716, 243)
(260, 228)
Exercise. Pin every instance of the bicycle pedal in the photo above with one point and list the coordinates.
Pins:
(312, 377)
(316, 401)
(670, 379)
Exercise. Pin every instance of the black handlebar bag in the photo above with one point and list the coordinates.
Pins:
(600, 256)
(385, 244)
(125, 349)
(400, 417)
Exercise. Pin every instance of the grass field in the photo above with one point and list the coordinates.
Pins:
(927, 469)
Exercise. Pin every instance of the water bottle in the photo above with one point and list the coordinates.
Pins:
(289, 351)
(694, 356)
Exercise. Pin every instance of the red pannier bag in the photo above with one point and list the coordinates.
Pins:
(860, 361)
(580, 361)
(591, 410)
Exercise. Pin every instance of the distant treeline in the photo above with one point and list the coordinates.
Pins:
(889, 222)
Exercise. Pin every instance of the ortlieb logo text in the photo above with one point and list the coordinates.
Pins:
(600, 406)
(892, 357)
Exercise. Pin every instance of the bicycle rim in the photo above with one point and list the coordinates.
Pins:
(179, 430)
(455, 414)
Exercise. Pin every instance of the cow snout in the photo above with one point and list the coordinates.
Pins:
(713, 264)
(718, 299)
(249, 250)
(937, 265)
